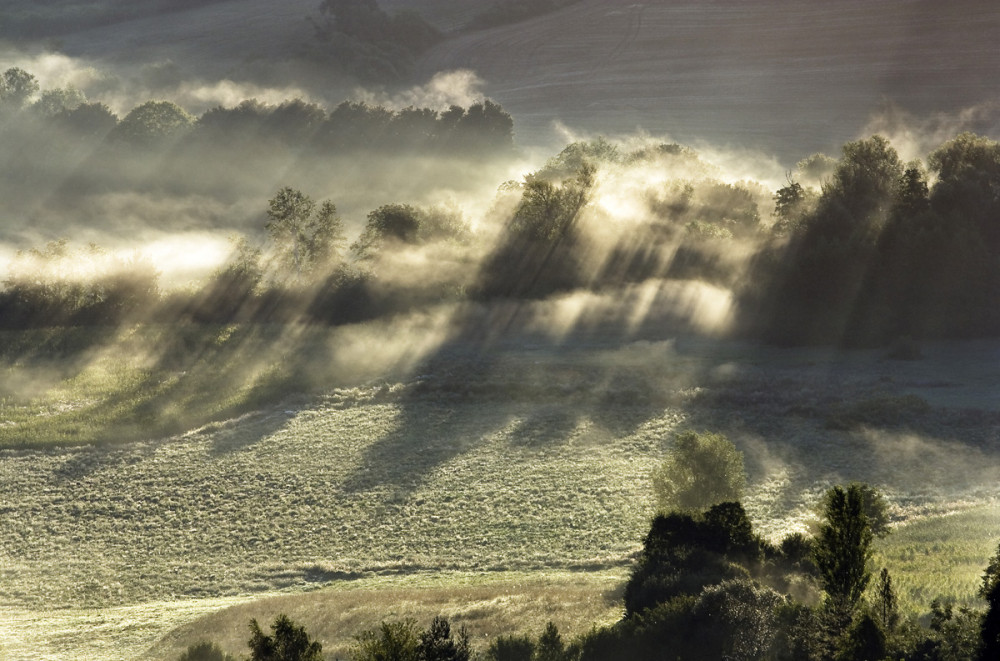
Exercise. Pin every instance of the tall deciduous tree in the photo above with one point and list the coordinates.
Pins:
(843, 547)
(17, 86)
(306, 237)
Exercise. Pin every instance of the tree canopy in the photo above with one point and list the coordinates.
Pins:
(701, 470)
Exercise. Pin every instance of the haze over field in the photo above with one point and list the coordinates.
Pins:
(405, 300)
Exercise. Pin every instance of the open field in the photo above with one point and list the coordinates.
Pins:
(489, 605)
(526, 457)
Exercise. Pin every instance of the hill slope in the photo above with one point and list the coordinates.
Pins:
(785, 76)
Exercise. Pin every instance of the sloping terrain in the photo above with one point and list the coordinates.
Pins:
(528, 458)
(788, 77)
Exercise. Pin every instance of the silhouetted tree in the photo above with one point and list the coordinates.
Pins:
(843, 547)
(685, 552)
(437, 643)
(990, 591)
(53, 102)
(550, 646)
(287, 642)
(865, 641)
(205, 652)
(306, 237)
(511, 648)
(391, 641)
(390, 222)
(88, 120)
(886, 604)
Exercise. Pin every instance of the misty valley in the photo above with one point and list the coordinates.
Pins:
(318, 355)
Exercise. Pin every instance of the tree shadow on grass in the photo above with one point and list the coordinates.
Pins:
(518, 388)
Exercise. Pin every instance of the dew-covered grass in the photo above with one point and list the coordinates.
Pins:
(493, 465)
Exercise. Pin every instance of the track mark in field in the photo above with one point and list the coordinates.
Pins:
(630, 35)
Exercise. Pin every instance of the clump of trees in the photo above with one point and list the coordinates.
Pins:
(540, 251)
(61, 286)
(881, 253)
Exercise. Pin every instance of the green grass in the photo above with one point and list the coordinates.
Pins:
(77, 386)
(941, 556)
(488, 605)
(457, 465)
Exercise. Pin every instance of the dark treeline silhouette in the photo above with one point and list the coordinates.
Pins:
(351, 125)
(881, 254)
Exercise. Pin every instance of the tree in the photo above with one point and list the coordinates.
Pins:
(886, 602)
(17, 86)
(875, 508)
(990, 591)
(702, 470)
(288, 642)
(863, 186)
(306, 238)
(89, 119)
(865, 641)
(437, 644)
(737, 618)
(53, 102)
(390, 222)
(791, 205)
(547, 211)
(391, 641)
(843, 548)
(153, 122)
(550, 645)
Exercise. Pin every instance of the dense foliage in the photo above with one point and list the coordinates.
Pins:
(882, 253)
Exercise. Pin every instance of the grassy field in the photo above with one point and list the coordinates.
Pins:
(488, 605)
(479, 467)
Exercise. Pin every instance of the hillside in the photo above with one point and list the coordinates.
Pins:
(527, 459)
(412, 354)
(785, 78)
(788, 77)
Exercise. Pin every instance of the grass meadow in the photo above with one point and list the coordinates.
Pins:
(505, 486)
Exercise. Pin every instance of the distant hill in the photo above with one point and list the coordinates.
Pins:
(791, 77)
(784, 76)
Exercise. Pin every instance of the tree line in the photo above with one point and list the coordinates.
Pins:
(304, 271)
(881, 251)
(25, 108)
